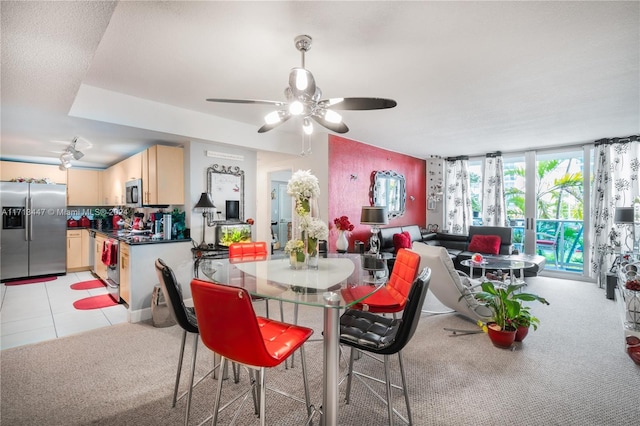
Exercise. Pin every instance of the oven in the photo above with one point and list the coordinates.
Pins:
(113, 271)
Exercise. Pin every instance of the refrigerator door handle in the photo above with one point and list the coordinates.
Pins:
(29, 223)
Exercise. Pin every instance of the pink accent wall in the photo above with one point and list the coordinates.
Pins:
(347, 195)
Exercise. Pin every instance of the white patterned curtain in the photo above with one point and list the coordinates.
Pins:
(494, 212)
(615, 184)
(458, 198)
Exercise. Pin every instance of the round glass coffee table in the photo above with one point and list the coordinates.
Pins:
(494, 263)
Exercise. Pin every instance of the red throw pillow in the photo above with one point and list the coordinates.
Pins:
(402, 240)
(489, 244)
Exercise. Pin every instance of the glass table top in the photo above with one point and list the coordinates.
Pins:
(325, 286)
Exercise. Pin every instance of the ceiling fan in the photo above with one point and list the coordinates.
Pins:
(303, 99)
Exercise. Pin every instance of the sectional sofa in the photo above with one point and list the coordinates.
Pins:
(457, 245)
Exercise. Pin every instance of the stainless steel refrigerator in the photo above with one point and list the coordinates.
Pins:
(34, 230)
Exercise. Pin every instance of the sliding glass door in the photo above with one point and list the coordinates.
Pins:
(557, 191)
(547, 200)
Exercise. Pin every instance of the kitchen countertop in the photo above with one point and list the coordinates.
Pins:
(135, 239)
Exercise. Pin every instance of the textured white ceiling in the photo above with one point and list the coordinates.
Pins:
(469, 77)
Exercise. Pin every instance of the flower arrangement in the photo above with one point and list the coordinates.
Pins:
(342, 224)
(294, 247)
(314, 228)
(303, 185)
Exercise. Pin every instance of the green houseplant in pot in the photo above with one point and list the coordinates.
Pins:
(523, 322)
(507, 309)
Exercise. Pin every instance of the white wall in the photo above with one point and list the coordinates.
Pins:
(196, 164)
(317, 161)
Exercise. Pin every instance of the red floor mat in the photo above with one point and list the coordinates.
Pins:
(30, 281)
(87, 285)
(94, 302)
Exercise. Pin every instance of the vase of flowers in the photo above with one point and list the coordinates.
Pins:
(303, 186)
(343, 226)
(313, 229)
(295, 250)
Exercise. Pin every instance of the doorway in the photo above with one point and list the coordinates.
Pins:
(281, 209)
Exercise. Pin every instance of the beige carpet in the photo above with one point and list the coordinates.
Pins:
(572, 371)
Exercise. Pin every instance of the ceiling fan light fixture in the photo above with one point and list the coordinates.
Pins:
(296, 108)
(307, 126)
(332, 116)
(272, 118)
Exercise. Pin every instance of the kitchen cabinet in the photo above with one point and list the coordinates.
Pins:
(125, 273)
(74, 250)
(163, 175)
(86, 249)
(10, 170)
(113, 185)
(99, 268)
(84, 187)
(114, 178)
(132, 168)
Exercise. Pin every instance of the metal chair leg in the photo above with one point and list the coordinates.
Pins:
(295, 321)
(175, 389)
(216, 403)
(193, 370)
(263, 398)
(387, 377)
(350, 375)
(404, 388)
(307, 396)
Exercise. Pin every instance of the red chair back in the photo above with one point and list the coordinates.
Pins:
(229, 326)
(256, 250)
(405, 271)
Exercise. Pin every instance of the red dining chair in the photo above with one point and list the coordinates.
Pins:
(250, 252)
(224, 314)
(392, 297)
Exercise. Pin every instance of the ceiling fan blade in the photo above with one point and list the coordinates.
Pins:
(246, 101)
(272, 126)
(359, 104)
(334, 127)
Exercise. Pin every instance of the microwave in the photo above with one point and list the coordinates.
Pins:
(133, 193)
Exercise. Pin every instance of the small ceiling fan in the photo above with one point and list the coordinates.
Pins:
(303, 99)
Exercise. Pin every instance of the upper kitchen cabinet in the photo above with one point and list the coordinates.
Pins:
(114, 178)
(163, 175)
(132, 168)
(84, 187)
(10, 170)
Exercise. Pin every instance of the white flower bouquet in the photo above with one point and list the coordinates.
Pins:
(303, 185)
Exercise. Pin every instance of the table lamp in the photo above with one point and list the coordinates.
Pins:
(374, 216)
(204, 204)
(624, 216)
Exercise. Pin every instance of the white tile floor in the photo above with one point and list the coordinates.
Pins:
(31, 313)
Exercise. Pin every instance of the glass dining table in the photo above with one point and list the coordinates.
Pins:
(322, 287)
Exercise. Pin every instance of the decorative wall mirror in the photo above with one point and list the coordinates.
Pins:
(226, 186)
(388, 190)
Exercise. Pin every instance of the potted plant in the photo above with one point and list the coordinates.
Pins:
(507, 309)
(523, 322)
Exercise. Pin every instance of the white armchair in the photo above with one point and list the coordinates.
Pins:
(451, 287)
